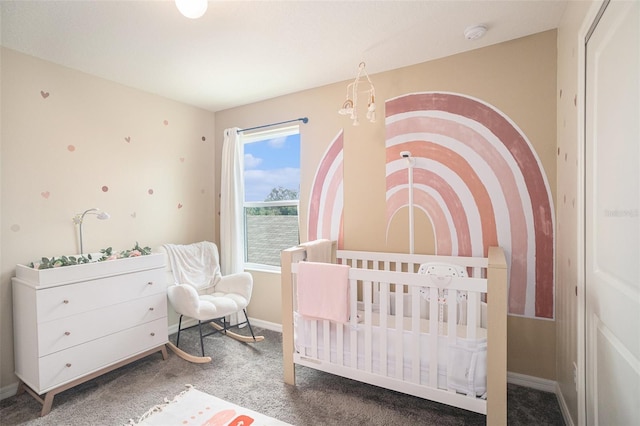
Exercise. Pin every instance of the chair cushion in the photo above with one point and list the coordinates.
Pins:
(186, 301)
(225, 304)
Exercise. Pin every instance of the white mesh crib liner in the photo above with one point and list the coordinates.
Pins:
(461, 367)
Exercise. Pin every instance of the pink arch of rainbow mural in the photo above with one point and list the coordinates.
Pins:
(478, 179)
(325, 212)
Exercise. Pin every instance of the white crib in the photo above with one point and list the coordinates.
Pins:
(394, 342)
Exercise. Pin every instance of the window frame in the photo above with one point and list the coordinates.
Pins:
(258, 136)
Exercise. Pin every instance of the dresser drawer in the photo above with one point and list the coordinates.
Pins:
(71, 299)
(63, 333)
(62, 367)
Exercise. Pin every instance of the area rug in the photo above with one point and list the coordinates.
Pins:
(192, 407)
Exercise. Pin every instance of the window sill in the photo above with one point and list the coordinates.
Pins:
(256, 267)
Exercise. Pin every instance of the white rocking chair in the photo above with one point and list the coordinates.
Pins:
(202, 293)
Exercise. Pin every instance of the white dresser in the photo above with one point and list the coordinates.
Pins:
(74, 323)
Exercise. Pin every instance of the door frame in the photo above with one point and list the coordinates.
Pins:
(588, 26)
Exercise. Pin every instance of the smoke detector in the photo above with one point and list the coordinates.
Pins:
(474, 32)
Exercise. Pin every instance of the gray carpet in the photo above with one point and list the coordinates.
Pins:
(250, 375)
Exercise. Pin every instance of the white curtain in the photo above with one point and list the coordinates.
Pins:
(232, 204)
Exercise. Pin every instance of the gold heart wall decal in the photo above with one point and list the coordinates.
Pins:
(44, 94)
(128, 139)
(45, 194)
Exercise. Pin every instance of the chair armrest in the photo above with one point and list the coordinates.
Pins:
(186, 301)
(240, 283)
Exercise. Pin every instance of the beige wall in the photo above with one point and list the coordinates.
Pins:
(94, 115)
(569, 234)
(45, 182)
(265, 300)
(516, 77)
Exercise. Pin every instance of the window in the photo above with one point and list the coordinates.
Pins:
(271, 190)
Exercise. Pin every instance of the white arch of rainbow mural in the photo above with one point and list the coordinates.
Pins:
(479, 181)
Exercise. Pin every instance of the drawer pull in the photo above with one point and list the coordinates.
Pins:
(150, 283)
(68, 365)
(153, 334)
(67, 333)
(151, 309)
(65, 301)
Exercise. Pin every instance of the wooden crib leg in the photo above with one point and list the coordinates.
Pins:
(497, 338)
(286, 257)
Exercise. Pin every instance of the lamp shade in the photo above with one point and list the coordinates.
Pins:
(193, 9)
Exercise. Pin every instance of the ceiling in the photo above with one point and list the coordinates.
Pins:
(242, 52)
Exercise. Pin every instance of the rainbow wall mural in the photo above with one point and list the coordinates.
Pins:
(479, 181)
(325, 213)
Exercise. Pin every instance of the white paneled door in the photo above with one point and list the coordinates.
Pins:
(612, 234)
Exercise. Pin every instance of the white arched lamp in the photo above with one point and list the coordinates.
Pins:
(79, 218)
(193, 9)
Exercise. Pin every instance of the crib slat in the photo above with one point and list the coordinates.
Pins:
(326, 340)
(353, 288)
(452, 315)
(473, 313)
(384, 308)
(368, 322)
(314, 338)
(399, 322)
(415, 339)
(452, 321)
(340, 343)
(433, 337)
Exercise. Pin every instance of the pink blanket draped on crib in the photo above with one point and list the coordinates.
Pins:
(323, 291)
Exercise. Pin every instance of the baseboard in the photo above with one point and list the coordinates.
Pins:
(532, 382)
(564, 409)
(173, 328)
(8, 391)
(266, 324)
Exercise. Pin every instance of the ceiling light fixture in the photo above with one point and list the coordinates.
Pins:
(192, 9)
(350, 105)
(474, 32)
